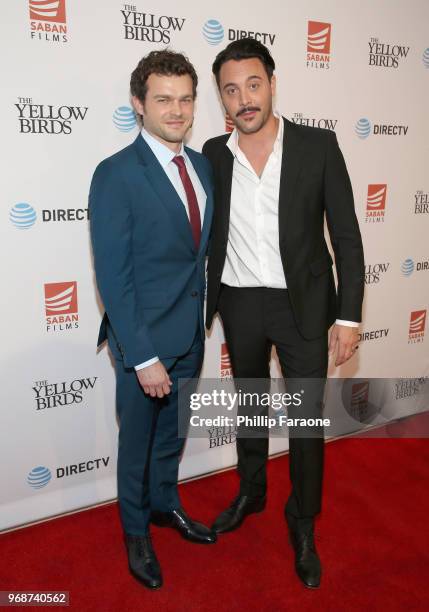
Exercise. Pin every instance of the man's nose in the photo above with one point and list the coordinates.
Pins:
(243, 97)
(176, 107)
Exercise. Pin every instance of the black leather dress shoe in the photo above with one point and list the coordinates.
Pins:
(189, 529)
(232, 517)
(142, 561)
(307, 562)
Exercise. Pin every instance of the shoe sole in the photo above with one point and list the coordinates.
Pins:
(190, 539)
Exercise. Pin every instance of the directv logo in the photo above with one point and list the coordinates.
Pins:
(407, 267)
(39, 477)
(426, 58)
(363, 128)
(124, 119)
(213, 31)
(23, 216)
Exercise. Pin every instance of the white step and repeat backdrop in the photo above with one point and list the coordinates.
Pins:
(361, 69)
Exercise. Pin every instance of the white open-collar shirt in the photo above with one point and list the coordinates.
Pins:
(253, 251)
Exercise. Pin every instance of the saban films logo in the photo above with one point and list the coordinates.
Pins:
(376, 203)
(359, 401)
(225, 362)
(61, 309)
(318, 45)
(416, 330)
(386, 55)
(147, 27)
(52, 395)
(229, 124)
(48, 20)
(362, 399)
(47, 118)
(327, 124)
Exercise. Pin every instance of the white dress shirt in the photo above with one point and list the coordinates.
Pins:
(253, 251)
(165, 157)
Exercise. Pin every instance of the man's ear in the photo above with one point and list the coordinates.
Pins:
(138, 105)
(273, 84)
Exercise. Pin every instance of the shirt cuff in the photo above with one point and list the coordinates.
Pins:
(346, 323)
(146, 364)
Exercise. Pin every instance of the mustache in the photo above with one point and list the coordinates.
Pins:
(247, 109)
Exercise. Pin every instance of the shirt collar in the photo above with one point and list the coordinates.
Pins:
(162, 153)
(232, 142)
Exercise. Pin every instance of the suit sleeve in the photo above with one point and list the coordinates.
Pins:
(111, 236)
(344, 233)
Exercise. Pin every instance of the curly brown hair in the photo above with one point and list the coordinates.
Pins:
(165, 62)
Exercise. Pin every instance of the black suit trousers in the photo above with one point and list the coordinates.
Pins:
(255, 320)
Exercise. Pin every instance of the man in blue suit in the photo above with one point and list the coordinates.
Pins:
(150, 209)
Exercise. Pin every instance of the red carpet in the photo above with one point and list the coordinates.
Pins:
(373, 540)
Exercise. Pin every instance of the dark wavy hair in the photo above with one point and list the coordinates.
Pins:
(165, 62)
(245, 48)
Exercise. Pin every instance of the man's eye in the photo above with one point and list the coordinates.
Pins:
(254, 85)
(231, 91)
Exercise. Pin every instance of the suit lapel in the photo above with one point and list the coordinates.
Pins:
(226, 165)
(292, 158)
(162, 186)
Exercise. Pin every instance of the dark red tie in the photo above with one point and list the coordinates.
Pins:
(194, 211)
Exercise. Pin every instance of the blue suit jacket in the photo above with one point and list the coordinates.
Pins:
(149, 274)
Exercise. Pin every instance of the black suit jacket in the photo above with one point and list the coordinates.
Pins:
(314, 182)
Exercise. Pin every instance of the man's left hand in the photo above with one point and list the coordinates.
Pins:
(343, 342)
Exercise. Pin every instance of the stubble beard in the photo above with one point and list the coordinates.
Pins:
(242, 126)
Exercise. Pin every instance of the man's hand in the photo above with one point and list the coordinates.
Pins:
(155, 380)
(344, 341)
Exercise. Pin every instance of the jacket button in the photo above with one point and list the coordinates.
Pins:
(194, 293)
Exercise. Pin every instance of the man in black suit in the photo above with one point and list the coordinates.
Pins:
(270, 271)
